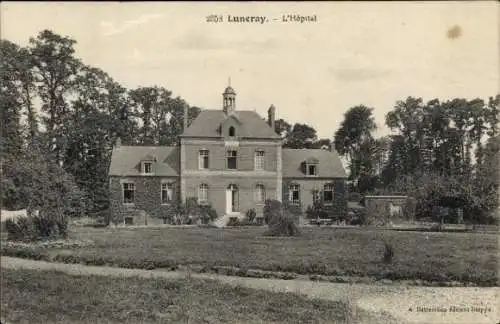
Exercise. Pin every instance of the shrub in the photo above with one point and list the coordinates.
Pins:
(234, 221)
(19, 229)
(189, 212)
(250, 215)
(279, 221)
(35, 228)
(207, 214)
(388, 253)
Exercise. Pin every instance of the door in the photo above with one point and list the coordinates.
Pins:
(229, 200)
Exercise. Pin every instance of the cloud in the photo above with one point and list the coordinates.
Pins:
(358, 74)
(111, 29)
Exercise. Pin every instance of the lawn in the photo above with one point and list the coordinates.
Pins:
(465, 257)
(53, 297)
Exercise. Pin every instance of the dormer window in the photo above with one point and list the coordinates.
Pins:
(232, 131)
(310, 167)
(147, 167)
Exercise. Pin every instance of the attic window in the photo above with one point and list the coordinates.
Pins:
(232, 131)
(147, 167)
(311, 167)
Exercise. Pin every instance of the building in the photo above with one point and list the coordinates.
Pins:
(230, 158)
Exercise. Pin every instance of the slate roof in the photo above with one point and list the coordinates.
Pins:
(125, 160)
(329, 164)
(252, 125)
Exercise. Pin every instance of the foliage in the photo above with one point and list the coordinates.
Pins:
(317, 210)
(74, 114)
(36, 228)
(250, 215)
(189, 212)
(279, 221)
(354, 140)
(388, 253)
(234, 221)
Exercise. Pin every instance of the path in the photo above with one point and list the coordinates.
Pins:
(393, 299)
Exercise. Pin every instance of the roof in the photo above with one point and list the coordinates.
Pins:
(229, 90)
(125, 160)
(329, 164)
(252, 125)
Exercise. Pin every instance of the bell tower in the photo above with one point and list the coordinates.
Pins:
(229, 99)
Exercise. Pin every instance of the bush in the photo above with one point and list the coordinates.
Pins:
(19, 229)
(250, 215)
(280, 222)
(234, 221)
(388, 253)
(189, 212)
(35, 228)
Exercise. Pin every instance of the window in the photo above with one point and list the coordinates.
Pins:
(328, 193)
(232, 131)
(311, 169)
(128, 193)
(259, 160)
(231, 159)
(294, 194)
(147, 167)
(203, 161)
(260, 193)
(203, 193)
(167, 190)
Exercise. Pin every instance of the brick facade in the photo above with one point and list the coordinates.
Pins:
(231, 191)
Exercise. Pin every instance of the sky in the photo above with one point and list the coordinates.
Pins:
(370, 53)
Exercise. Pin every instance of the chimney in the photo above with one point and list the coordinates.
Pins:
(118, 142)
(271, 116)
(185, 119)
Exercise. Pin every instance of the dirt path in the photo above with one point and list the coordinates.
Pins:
(395, 300)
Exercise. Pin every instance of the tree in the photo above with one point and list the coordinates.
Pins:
(36, 182)
(151, 107)
(11, 139)
(54, 68)
(301, 136)
(174, 127)
(354, 141)
(282, 128)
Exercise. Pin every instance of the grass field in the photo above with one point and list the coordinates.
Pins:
(464, 257)
(53, 297)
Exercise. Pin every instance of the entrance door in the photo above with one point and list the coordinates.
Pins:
(231, 199)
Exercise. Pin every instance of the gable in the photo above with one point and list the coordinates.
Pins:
(231, 126)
